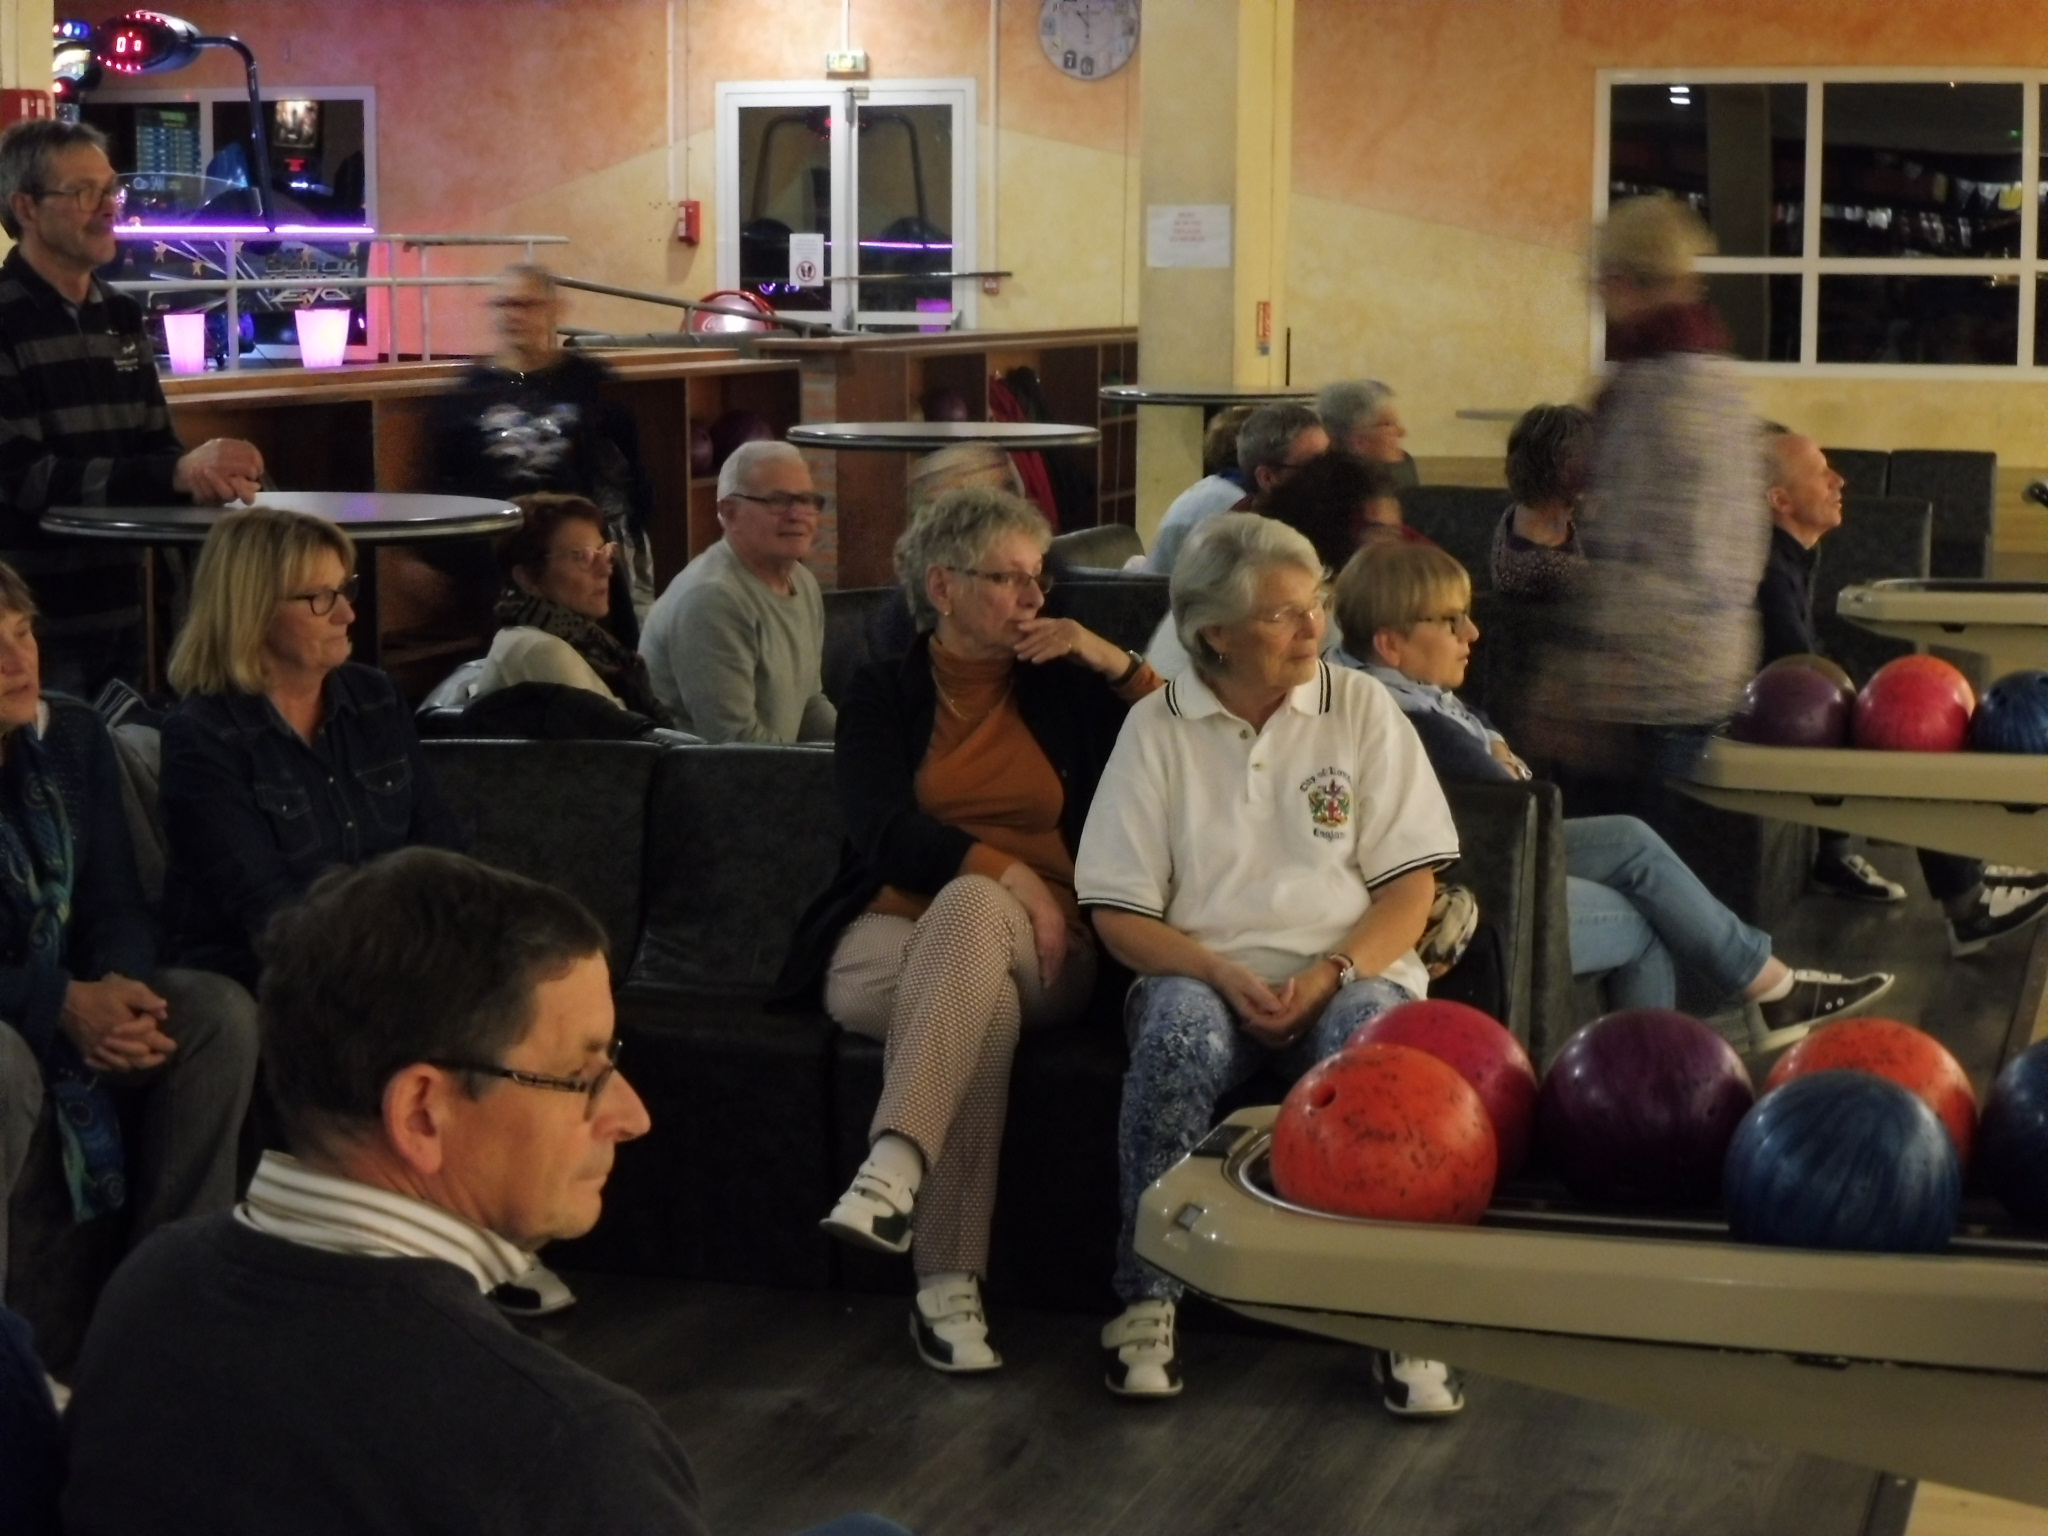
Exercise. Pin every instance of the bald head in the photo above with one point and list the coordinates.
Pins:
(1805, 495)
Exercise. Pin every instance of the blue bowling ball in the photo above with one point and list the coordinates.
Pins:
(2012, 1138)
(1843, 1160)
(2013, 715)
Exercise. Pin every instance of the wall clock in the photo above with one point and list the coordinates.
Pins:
(1088, 39)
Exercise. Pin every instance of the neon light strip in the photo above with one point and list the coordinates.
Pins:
(173, 231)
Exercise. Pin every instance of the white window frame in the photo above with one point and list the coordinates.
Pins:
(366, 94)
(844, 255)
(2028, 267)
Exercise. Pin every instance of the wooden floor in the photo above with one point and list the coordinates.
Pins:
(799, 1405)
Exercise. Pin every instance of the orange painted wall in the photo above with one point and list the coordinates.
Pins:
(555, 116)
(1479, 113)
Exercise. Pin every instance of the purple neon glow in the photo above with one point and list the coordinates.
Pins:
(906, 245)
(161, 231)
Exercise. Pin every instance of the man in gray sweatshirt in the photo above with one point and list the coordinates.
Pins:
(734, 645)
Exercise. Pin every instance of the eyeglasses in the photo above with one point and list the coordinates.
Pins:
(1452, 622)
(1012, 581)
(523, 304)
(89, 198)
(592, 1088)
(322, 601)
(588, 555)
(1293, 616)
(782, 501)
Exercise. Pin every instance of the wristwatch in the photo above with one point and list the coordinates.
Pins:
(1137, 664)
(1347, 973)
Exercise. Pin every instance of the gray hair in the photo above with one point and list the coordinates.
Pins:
(1269, 433)
(1349, 404)
(737, 473)
(1216, 579)
(955, 530)
(962, 464)
(26, 150)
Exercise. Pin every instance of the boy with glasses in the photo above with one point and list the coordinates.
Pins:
(736, 644)
(83, 420)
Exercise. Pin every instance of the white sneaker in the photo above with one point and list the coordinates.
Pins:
(1415, 1388)
(537, 1293)
(1139, 1343)
(875, 1212)
(947, 1324)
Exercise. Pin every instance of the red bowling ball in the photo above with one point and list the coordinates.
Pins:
(1915, 704)
(1794, 707)
(1482, 1052)
(1386, 1132)
(1910, 1057)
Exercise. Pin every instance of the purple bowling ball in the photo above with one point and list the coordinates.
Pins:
(2013, 715)
(734, 428)
(1794, 707)
(1639, 1108)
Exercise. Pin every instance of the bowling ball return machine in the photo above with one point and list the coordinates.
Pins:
(1933, 1367)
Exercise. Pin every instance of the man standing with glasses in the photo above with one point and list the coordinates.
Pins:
(441, 1050)
(83, 420)
(736, 644)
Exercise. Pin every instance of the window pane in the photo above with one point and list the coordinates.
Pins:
(1761, 311)
(1919, 320)
(906, 205)
(785, 188)
(1921, 170)
(1735, 152)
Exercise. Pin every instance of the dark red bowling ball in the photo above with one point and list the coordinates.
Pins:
(734, 428)
(1639, 1106)
(1820, 664)
(1910, 1057)
(945, 403)
(1794, 707)
(703, 457)
(1915, 704)
(1482, 1052)
(1387, 1132)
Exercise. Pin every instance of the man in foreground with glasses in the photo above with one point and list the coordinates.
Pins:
(82, 416)
(440, 1045)
(736, 643)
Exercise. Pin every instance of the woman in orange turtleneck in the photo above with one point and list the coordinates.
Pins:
(966, 768)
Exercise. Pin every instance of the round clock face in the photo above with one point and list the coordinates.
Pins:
(1088, 39)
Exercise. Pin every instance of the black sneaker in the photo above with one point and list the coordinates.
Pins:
(2013, 875)
(1414, 1388)
(1855, 877)
(1816, 997)
(1997, 910)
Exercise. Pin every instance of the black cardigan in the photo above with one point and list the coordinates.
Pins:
(885, 731)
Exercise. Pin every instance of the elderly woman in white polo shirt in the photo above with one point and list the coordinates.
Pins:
(1262, 853)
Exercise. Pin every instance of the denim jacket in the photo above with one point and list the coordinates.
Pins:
(253, 814)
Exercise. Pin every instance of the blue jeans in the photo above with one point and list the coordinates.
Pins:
(1638, 913)
(1187, 1051)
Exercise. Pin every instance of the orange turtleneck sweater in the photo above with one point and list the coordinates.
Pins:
(986, 774)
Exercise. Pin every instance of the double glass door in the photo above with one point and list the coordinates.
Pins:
(884, 174)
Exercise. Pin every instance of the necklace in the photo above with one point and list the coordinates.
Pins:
(961, 714)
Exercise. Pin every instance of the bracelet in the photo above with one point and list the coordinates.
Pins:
(1347, 970)
(1137, 664)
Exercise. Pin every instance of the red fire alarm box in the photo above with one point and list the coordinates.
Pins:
(688, 218)
(19, 105)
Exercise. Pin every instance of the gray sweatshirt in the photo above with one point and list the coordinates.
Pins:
(736, 660)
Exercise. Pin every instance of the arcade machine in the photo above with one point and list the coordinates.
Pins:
(1931, 1367)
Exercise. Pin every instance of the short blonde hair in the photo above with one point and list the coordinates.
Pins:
(1652, 240)
(1396, 585)
(251, 560)
(956, 531)
(962, 464)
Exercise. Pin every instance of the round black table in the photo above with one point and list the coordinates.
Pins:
(925, 436)
(1200, 394)
(369, 517)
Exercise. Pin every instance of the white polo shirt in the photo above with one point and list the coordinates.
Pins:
(1265, 845)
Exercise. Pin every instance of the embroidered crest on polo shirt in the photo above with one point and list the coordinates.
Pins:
(127, 354)
(1329, 801)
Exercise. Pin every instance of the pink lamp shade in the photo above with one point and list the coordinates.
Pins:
(187, 337)
(323, 337)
